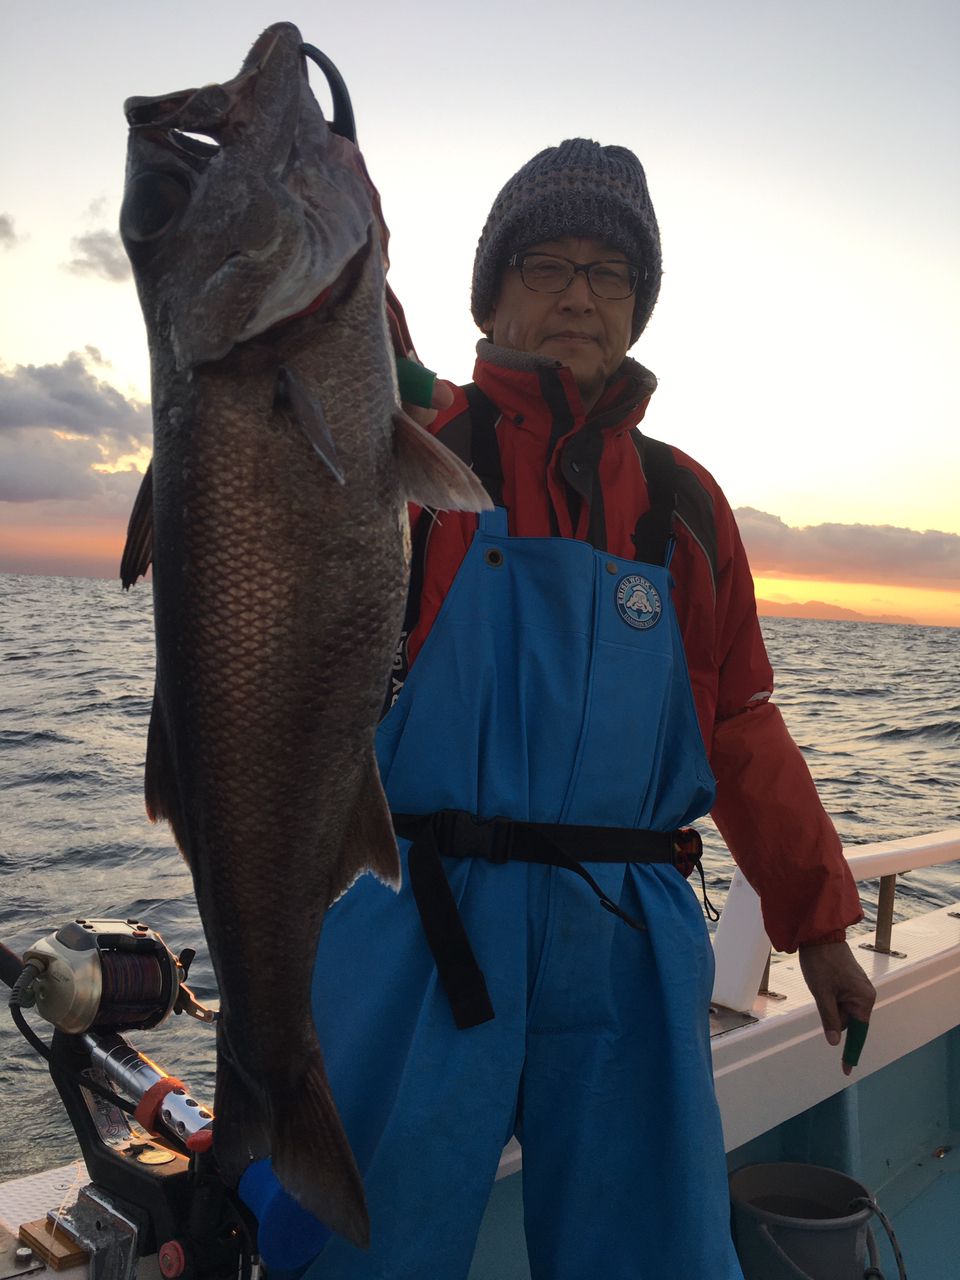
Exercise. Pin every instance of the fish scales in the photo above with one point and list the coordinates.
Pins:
(275, 515)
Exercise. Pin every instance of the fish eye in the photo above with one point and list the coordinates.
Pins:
(152, 203)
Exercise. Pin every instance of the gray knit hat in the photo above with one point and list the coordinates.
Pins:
(576, 189)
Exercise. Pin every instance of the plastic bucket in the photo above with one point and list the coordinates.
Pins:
(793, 1222)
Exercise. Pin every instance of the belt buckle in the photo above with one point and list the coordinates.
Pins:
(495, 842)
(687, 848)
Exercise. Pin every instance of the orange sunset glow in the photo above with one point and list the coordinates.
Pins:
(85, 551)
(93, 550)
(916, 604)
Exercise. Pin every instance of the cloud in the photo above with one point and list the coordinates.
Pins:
(58, 424)
(8, 236)
(99, 253)
(49, 468)
(850, 552)
(69, 397)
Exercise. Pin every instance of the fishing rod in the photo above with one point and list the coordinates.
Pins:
(145, 1139)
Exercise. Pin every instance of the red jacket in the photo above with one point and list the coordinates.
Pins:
(578, 477)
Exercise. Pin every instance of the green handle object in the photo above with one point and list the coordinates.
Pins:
(853, 1044)
(415, 382)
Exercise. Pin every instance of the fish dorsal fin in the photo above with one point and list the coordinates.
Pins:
(138, 551)
(430, 474)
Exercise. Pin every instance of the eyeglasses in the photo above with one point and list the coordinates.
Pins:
(546, 273)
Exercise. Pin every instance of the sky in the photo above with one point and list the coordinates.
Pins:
(804, 162)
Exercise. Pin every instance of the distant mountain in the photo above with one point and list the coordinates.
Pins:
(825, 612)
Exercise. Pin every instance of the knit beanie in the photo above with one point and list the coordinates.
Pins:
(576, 189)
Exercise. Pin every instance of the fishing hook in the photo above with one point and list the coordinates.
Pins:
(343, 121)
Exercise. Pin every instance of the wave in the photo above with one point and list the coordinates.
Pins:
(27, 738)
(944, 731)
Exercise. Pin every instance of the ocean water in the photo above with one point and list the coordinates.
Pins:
(875, 709)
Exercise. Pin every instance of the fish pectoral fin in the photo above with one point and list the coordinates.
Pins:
(430, 474)
(138, 551)
(370, 843)
(307, 411)
(312, 1157)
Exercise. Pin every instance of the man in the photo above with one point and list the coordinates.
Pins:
(578, 666)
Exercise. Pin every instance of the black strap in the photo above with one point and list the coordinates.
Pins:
(455, 833)
(654, 529)
(675, 494)
(485, 452)
(457, 968)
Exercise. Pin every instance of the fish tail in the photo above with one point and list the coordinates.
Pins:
(295, 1123)
(312, 1157)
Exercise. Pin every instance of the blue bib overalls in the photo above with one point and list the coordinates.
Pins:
(552, 688)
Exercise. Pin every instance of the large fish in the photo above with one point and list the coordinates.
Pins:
(275, 517)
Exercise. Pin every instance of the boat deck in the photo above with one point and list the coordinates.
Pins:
(922, 1196)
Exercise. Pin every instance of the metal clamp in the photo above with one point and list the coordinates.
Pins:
(97, 1224)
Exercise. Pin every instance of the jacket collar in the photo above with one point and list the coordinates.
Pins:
(520, 383)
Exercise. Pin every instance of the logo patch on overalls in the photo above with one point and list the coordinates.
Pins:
(638, 602)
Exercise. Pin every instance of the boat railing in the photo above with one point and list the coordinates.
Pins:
(741, 946)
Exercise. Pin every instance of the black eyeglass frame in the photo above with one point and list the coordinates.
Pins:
(636, 273)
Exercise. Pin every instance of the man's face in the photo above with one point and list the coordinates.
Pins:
(588, 333)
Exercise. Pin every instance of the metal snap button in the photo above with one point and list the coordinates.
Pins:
(611, 567)
(493, 557)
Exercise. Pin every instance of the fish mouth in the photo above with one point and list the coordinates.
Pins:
(292, 205)
(179, 134)
(194, 124)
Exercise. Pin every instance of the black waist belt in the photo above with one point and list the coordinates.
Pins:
(454, 833)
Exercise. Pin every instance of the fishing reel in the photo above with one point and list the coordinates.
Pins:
(108, 975)
(146, 1141)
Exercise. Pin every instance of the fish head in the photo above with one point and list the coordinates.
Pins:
(241, 205)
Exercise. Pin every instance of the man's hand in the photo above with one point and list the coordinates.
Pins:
(419, 385)
(442, 398)
(840, 987)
